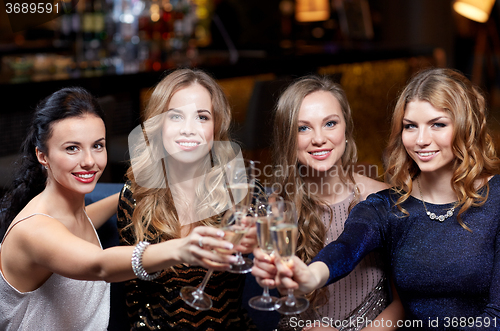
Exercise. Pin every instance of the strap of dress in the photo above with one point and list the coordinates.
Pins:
(93, 227)
(22, 219)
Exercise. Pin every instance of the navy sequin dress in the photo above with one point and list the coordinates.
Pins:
(447, 277)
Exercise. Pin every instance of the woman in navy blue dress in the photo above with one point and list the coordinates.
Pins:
(439, 224)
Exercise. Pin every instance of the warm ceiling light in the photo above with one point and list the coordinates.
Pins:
(476, 10)
(312, 10)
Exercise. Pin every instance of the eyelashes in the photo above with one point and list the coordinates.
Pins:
(329, 124)
(177, 118)
(413, 126)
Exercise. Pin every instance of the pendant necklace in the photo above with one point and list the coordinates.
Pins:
(433, 216)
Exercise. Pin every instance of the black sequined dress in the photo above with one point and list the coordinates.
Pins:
(156, 305)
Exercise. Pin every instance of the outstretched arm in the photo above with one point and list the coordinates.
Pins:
(29, 257)
(363, 232)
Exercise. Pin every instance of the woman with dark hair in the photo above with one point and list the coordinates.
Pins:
(53, 268)
(438, 224)
(175, 184)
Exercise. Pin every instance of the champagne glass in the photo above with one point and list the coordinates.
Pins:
(234, 229)
(266, 214)
(196, 296)
(284, 234)
(240, 182)
(240, 177)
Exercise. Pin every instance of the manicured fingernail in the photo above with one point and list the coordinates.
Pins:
(233, 259)
(220, 234)
(229, 246)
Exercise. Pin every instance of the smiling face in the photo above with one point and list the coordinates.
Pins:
(76, 153)
(428, 136)
(321, 137)
(188, 127)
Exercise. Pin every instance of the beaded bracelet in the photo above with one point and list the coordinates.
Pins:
(137, 262)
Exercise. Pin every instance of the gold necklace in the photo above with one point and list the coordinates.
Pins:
(433, 216)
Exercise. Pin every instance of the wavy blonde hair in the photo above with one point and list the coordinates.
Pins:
(155, 217)
(473, 148)
(310, 208)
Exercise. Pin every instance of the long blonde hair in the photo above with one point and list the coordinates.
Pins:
(473, 148)
(155, 217)
(310, 208)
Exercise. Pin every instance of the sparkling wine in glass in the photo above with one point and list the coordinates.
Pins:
(266, 214)
(284, 234)
(235, 227)
(240, 176)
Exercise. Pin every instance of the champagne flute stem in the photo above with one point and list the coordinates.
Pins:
(201, 288)
(239, 258)
(266, 292)
(265, 295)
(290, 300)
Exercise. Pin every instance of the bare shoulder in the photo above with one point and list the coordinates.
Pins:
(32, 216)
(27, 247)
(35, 226)
(368, 185)
(26, 239)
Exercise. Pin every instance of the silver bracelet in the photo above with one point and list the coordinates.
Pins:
(137, 262)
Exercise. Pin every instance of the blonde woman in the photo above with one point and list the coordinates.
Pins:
(316, 171)
(173, 187)
(439, 224)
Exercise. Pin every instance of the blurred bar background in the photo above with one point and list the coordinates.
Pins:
(119, 50)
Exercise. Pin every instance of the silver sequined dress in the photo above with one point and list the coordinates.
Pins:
(60, 304)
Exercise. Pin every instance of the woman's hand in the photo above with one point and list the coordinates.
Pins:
(296, 275)
(205, 247)
(264, 269)
(271, 271)
(249, 241)
(291, 274)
